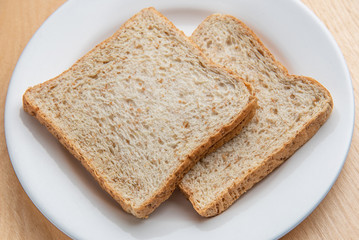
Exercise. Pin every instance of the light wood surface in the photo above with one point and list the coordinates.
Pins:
(337, 217)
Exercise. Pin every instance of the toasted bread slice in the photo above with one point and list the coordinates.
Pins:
(140, 108)
(291, 109)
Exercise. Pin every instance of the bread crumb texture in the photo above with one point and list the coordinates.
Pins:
(138, 105)
(291, 108)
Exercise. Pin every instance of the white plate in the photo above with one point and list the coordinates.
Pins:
(68, 196)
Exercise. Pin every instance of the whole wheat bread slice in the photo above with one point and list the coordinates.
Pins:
(140, 108)
(290, 111)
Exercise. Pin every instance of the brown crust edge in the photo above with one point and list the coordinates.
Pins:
(168, 187)
(241, 185)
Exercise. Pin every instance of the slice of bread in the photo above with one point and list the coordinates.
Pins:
(140, 108)
(290, 111)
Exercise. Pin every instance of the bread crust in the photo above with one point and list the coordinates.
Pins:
(227, 197)
(169, 185)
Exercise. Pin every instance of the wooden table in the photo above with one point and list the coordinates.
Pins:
(337, 217)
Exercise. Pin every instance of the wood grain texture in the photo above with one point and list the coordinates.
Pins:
(19, 218)
(337, 217)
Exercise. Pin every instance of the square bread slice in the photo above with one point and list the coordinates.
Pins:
(290, 111)
(140, 108)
